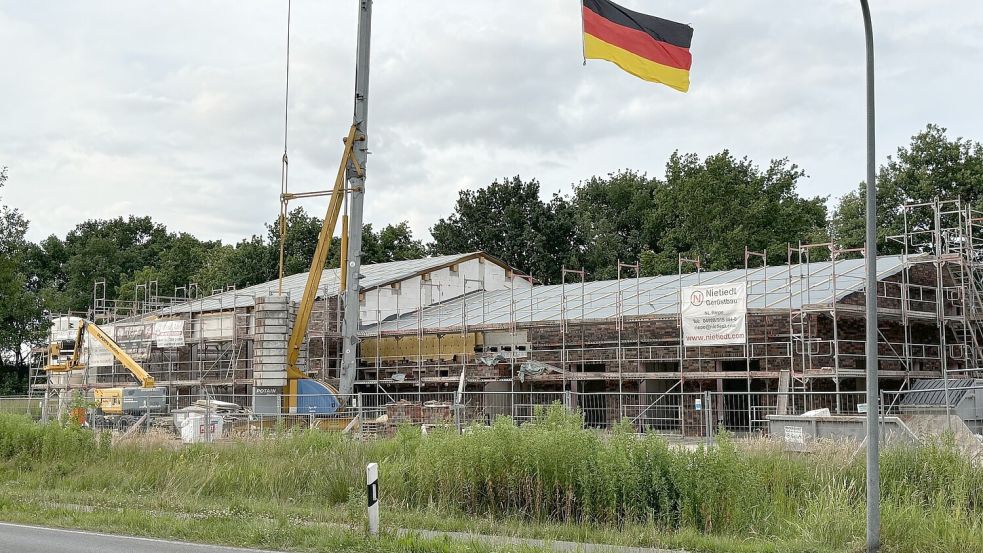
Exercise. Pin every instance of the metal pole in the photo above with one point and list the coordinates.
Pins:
(708, 417)
(873, 468)
(361, 415)
(883, 413)
(356, 184)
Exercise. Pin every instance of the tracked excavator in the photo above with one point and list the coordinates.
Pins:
(117, 407)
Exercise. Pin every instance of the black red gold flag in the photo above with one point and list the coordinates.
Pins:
(648, 47)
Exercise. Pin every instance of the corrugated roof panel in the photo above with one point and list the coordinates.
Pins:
(780, 287)
(931, 393)
(374, 275)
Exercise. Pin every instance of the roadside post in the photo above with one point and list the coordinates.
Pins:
(372, 493)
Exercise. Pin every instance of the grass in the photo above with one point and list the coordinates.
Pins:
(551, 479)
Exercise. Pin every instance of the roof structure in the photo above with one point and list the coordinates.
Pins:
(374, 275)
(931, 392)
(774, 287)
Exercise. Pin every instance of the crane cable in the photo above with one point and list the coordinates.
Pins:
(284, 166)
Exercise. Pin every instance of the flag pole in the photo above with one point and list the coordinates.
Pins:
(583, 44)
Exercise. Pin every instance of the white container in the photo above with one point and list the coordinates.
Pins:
(193, 428)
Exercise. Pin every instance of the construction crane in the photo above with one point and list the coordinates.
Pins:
(352, 170)
(117, 406)
(296, 378)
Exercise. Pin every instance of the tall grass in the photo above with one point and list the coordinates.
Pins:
(551, 471)
(24, 444)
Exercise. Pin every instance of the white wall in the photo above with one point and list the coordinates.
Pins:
(444, 284)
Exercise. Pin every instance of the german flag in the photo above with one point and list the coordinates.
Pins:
(648, 47)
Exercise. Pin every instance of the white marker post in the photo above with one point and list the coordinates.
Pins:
(372, 492)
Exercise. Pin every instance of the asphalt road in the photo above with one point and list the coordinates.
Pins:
(20, 538)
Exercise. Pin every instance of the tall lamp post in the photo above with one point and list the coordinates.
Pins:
(873, 468)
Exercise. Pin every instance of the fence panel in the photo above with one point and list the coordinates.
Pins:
(671, 413)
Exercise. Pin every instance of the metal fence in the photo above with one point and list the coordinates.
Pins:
(690, 414)
(23, 405)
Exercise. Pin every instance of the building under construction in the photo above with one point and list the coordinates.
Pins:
(613, 347)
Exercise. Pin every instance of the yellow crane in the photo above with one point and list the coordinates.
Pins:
(306, 305)
(72, 363)
(120, 405)
(352, 166)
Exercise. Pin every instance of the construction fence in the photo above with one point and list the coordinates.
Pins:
(670, 413)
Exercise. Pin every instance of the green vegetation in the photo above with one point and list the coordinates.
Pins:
(708, 208)
(551, 479)
(701, 207)
(933, 166)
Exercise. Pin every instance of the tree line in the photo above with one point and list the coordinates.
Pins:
(708, 208)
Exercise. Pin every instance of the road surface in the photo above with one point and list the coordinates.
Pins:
(22, 538)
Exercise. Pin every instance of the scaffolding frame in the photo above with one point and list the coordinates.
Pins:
(808, 311)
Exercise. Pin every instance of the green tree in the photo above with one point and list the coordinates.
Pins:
(713, 208)
(250, 262)
(181, 260)
(392, 243)
(216, 271)
(13, 380)
(109, 250)
(616, 218)
(141, 284)
(508, 219)
(302, 234)
(22, 320)
(13, 225)
(176, 267)
(46, 263)
(932, 166)
(704, 208)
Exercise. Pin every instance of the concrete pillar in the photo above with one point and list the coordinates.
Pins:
(272, 317)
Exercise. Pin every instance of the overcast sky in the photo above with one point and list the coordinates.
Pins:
(175, 109)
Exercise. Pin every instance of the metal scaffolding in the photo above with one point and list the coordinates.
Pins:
(621, 336)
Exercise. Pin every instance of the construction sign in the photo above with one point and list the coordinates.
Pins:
(169, 334)
(714, 315)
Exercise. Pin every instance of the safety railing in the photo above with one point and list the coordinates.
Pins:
(671, 412)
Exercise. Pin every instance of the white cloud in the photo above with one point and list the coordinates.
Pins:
(174, 109)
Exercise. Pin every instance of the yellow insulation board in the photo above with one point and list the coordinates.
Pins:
(408, 348)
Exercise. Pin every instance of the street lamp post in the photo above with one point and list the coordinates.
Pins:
(873, 468)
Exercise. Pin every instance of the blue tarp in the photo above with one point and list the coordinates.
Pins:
(315, 398)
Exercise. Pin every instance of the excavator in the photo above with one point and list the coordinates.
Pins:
(118, 407)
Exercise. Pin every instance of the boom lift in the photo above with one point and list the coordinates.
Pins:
(318, 397)
(119, 406)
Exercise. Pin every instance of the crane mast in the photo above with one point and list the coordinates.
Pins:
(349, 360)
(351, 170)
